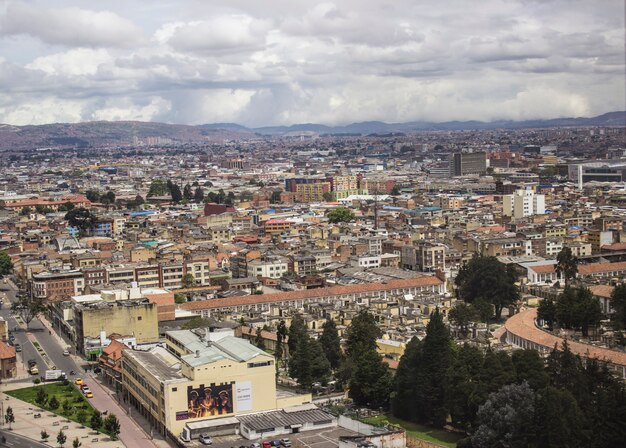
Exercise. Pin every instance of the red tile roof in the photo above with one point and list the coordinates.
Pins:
(523, 325)
(310, 293)
(6, 351)
(596, 268)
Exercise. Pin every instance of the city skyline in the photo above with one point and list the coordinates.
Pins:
(284, 63)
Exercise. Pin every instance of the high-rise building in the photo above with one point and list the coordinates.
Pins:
(523, 203)
(463, 163)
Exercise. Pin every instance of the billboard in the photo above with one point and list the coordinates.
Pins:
(210, 400)
(244, 396)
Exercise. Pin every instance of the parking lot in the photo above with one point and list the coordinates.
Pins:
(326, 438)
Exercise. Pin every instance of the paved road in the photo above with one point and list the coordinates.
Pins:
(16, 441)
(131, 434)
(28, 350)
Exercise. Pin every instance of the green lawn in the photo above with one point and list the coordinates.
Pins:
(63, 394)
(439, 436)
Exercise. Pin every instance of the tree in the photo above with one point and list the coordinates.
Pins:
(403, 403)
(463, 386)
(258, 340)
(110, 196)
(328, 196)
(488, 279)
(53, 403)
(340, 214)
(112, 426)
(558, 420)
(26, 211)
(93, 195)
(547, 312)
(505, 418)
(577, 308)
(618, 303)
(180, 298)
(44, 435)
(176, 194)
(566, 264)
(80, 218)
(198, 195)
(61, 438)
(30, 308)
(81, 416)
(331, 343)
(41, 398)
(431, 373)
(76, 443)
(371, 381)
(308, 363)
(187, 192)
(395, 191)
(530, 368)
(281, 334)
(362, 333)
(158, 187)
(67, 406)
(96, 420)
(66, 207)
(188, 280)
(9, 417)
(196, 322)
(297, 332)
(275, 197)
(462, 315)
(6, 265)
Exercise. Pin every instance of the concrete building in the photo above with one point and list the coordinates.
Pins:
(523, 203)
(464, 163)
(204, 382)
(95, 314)
(273, 267)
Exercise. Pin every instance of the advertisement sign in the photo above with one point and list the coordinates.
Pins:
(183, 415)
(207, 401)
(244, 396)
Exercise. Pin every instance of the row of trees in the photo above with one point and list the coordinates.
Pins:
(575, 308)
(103, 198)
(508, 400)
(361, 368)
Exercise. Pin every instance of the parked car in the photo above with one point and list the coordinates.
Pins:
(205, 439)
(285, 442)
(266, 444)
(18, 348)
(84, 386)
(66, 353)
(78, 381)
(88, 394)
(255, 445)
(275, 443)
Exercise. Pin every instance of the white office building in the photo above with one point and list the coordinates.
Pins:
(524, 203)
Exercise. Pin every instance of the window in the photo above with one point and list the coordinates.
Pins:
(139, 317)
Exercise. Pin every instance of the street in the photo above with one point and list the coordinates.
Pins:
(131, 434)
(15, 440)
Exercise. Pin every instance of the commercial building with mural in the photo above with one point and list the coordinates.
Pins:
(201, 382)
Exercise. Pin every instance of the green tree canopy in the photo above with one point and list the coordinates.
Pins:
(81, 218)
(486, 278)
(297, 332)
(566, 264)
(362, 333)
(331, 343)
(6, 265)
(618, 303)
(196, 322)
(577, 308)
(158, 187)
(340, 214)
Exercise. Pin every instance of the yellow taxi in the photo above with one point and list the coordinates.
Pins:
(78, 381)
(88, 394)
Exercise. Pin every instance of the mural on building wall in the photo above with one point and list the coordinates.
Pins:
(208, 401)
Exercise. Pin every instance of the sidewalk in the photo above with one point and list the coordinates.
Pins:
(26, 425)
(133, 434)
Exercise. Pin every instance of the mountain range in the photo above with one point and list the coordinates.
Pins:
(124, 133)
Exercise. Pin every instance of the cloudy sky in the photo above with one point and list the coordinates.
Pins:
(266, 62)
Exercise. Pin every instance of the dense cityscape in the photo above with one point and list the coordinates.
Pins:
(320, 224)
(375, 284)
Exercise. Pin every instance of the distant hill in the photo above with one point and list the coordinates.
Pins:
(126, 133)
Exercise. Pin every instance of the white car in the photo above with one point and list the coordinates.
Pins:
(66, 353)
(205, 439)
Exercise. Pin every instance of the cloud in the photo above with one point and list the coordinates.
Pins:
(283, 62)
(70, 26)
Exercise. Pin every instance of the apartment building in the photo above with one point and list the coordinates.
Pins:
(523, 203)
(271, 267)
